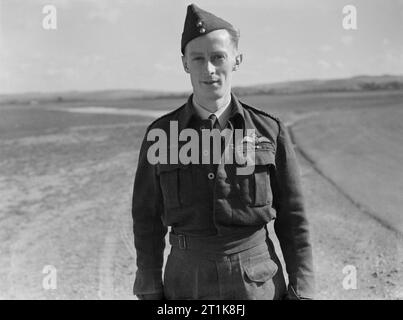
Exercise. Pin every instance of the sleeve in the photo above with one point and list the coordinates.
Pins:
(148, 228)
(291, 224)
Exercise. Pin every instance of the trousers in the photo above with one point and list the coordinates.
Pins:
(253, 273)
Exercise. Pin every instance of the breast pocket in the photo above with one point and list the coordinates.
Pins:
(255, 188)
(176, 184)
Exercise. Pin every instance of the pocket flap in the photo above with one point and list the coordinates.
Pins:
(167, 167)
(170, 167)
(261, 271)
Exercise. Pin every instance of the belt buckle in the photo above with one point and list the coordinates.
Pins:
(182, 241)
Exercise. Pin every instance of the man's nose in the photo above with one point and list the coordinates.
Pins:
(210, 68)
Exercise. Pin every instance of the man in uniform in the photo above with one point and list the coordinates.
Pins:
(218, 216)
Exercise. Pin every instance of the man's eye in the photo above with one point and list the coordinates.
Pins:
(197, 58)
(218, 57)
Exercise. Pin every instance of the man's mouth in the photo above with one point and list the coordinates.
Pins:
(210, 82)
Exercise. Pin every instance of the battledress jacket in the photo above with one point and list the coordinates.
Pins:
(203, 200)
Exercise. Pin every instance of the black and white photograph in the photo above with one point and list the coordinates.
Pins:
(201, 150)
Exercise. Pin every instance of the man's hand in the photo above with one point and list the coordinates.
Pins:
(151, 296)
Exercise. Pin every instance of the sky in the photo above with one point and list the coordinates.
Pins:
(135, 44)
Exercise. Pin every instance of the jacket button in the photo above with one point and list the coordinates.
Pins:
(211, 176)
(205, 153)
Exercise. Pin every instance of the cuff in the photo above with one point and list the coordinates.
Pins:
(148, 282)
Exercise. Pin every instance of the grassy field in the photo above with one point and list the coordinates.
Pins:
(361, 151)
(355, 140)
(66, 181)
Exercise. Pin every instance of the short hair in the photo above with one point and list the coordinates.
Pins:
(235, 34)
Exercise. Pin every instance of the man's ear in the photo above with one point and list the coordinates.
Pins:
(238, 61)
(185, 65)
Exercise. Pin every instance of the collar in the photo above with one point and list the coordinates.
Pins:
(221, 114)
(236, 113)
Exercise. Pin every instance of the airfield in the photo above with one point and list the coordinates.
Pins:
(67, 170)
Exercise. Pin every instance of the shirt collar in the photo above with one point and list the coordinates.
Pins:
(221, 114)
(233, 112)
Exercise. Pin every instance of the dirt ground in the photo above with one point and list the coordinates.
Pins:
(66, 197)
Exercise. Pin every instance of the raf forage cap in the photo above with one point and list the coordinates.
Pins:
(199, 22)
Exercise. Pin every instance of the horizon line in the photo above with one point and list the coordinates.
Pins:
(151, 91)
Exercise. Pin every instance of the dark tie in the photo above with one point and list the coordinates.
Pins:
(214, 122)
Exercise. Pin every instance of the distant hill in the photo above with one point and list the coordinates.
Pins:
(76, 96)
(358, 83)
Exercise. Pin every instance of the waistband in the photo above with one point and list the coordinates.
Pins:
(221, 245)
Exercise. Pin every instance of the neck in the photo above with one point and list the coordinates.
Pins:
(213, 105)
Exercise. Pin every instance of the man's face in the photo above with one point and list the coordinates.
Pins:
(210, 61)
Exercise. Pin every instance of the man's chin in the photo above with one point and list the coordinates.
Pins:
(212, 93)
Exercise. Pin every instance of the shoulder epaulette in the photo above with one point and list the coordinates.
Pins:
(261, 112)
(165, 115)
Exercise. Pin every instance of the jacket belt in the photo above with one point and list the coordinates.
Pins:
(219, 244)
